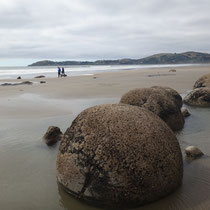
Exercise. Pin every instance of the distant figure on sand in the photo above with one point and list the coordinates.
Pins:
(63, 72)
(59, 71)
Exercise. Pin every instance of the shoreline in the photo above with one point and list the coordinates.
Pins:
(55, 96)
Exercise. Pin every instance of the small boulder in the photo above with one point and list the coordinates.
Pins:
(42, 82)
(198, 97)
(193, 152)
(117, 154)
(40, 76)
(204, 81)
(160, 101)
(19, 77)
(185, 112)
(53, 135)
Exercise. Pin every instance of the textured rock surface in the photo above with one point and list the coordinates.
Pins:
(173, 94)
(53, 135)
(163, 101)
(193, 152)
(119, 154)
(185, 112)
(198, 97)
(204, 81)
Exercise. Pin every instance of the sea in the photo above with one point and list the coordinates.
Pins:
(27, 72)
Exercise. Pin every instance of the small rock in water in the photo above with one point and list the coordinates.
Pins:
(185, 112)
(19, 77)
(42, 82)
(193, 152)
(53, 135)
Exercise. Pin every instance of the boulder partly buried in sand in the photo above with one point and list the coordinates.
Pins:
(193, 152)
(159, 101)
(53, 135)
(119, 154)
(198, 97)
(204, 81)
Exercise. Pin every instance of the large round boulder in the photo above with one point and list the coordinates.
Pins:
(204, 81)
(119, 155)
(160, 101)
(198, 97)
(173, 94)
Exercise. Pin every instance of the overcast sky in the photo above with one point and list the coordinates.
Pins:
(33, 30)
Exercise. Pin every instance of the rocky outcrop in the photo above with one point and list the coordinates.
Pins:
(204, 81)
(119, 155)
(172, 70)
(53, 135)
(193, 152)
(198, 97)
(40, 76)
(163, 101)
(19, 77)
(17, 83)
(185, 112)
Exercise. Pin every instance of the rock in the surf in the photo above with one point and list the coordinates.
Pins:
(193, 152)
(162, 101)
(198, 97)
(53, 135)
(119, 154)
(185, 112)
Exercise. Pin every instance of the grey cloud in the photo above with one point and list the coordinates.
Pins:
(98, 29)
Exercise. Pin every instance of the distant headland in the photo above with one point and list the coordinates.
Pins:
(162, 58)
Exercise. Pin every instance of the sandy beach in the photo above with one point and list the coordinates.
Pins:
(102, 85)
(28, 176)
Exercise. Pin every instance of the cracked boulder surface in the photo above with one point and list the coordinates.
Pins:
(162, 101)
(203, 81)
(119, 154)
(198, 97)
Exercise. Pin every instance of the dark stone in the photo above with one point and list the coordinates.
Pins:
(198, 97)
(163, 101)
(185, 112)
(41, 76)
(193, 152)
(119, 154)
(19, 77)
(53, 135)
(19, 83)
(42, 82)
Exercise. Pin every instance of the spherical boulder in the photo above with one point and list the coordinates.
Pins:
(173, 94)
(53, 135)
(119, 154)
(204, 81)
(193, 152)
(159, 101)
(198, 97)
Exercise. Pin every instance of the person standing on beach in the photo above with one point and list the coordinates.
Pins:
(62, 72)
(59, 71)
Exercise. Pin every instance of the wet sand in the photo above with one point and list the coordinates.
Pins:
(28, 179)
